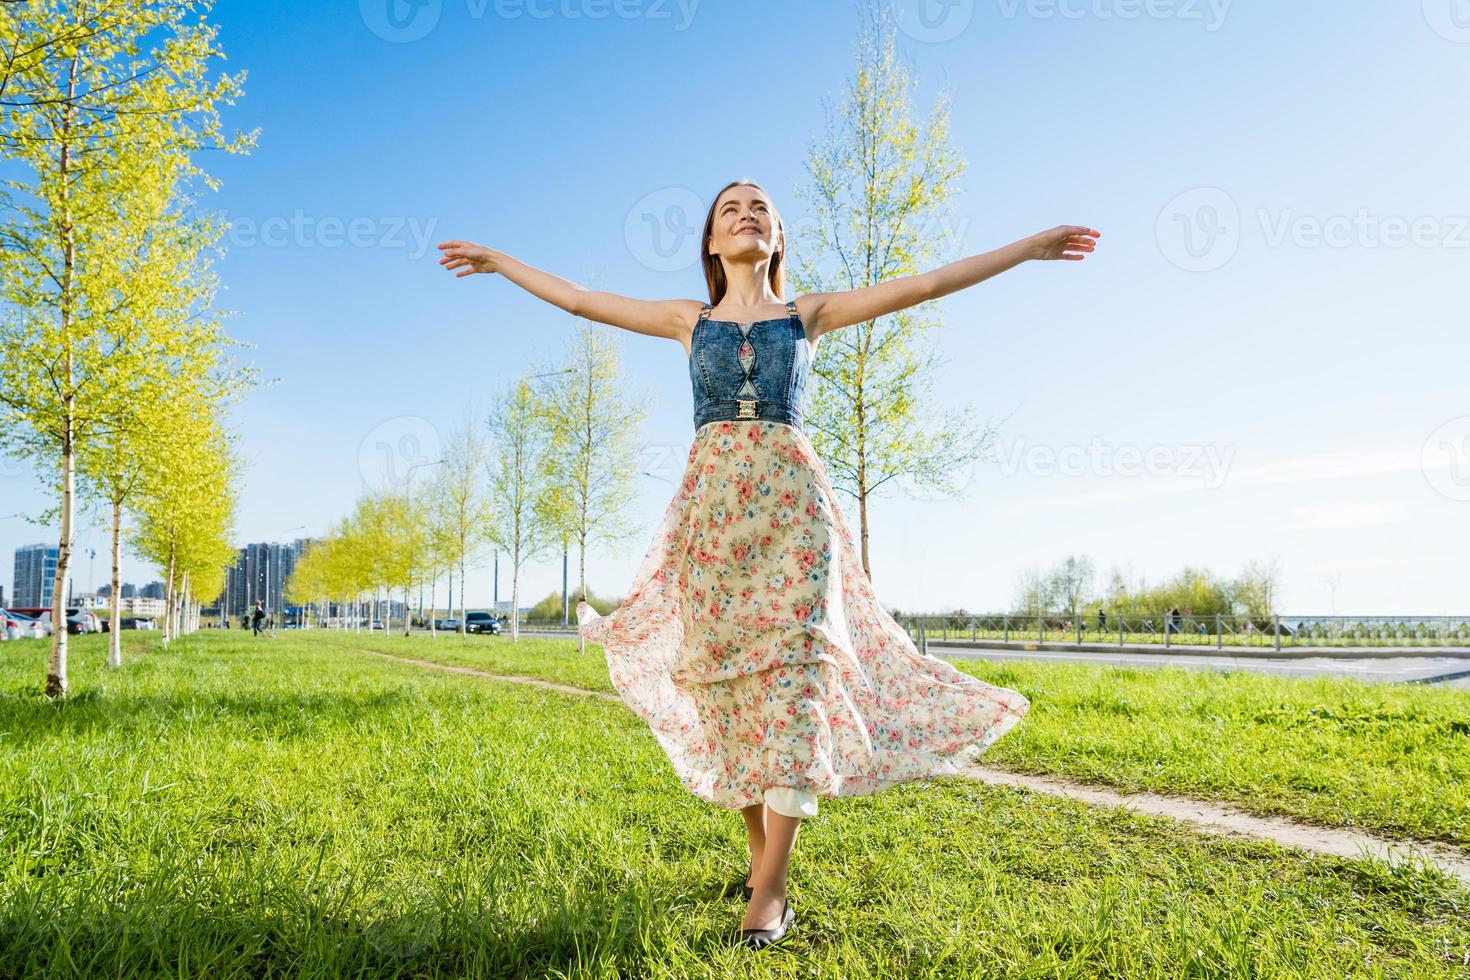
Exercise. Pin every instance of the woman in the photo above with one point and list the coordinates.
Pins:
(751, 641)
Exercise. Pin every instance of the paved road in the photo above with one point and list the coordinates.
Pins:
(1419, 670)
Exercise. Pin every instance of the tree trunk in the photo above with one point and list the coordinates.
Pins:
(114, 639)
(56, 672)
(581, 585)
(461, 598)
(183, 604)
(433, 584)
(515, 589)
(168, 591)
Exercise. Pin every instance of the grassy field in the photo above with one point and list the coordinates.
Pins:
(247, 808)
(1392, 759)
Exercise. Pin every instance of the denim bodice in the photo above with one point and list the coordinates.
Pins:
(755, 369)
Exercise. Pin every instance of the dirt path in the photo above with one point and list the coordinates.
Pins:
(1210, 818)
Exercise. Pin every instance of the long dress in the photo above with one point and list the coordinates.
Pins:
(751, 641)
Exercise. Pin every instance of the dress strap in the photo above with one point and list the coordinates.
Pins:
(705, 312)
(791, 305)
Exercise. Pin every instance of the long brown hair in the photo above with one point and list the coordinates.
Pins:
(714, 269)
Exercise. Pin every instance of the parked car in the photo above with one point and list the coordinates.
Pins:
(481, 622)
(78, 620)
(20, 626)
(447, 625)
(138, 623)
(377, 624)
(10, 625)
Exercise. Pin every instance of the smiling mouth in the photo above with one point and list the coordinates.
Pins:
(748, 231)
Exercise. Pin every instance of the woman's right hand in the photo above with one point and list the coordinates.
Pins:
(467, 257)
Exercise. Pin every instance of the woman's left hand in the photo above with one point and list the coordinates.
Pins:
(1063, 241)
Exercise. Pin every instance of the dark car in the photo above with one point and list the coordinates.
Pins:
(481, 622)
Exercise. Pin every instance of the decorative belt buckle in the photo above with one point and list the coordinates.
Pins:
(745, 409)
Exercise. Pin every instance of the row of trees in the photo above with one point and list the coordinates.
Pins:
(1069, 588)
(114, 368)
(550, 465)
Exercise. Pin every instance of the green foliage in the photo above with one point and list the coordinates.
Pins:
(112, 372)
(879, 188)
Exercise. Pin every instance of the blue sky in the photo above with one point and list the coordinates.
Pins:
(1265, 357)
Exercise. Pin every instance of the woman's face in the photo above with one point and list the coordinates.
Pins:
(744, 225)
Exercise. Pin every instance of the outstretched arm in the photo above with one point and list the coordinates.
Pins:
(658, 318)
(829, 311)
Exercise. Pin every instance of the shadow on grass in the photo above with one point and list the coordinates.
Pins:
(311, 935)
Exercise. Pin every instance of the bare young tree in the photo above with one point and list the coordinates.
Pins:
(1333, 580)
(591, 419)
(877, 184)
(1071, 582)
(517, 481)
(1256, 589)
(460, 500)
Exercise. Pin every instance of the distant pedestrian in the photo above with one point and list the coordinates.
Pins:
(257, 617)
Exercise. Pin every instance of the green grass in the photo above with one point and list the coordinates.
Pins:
(1393, 759)
(240, 808)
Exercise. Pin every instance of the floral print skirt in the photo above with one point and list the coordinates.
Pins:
(753, 646)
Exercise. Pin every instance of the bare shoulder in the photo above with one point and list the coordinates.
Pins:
(809, 308)
(686, 315)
